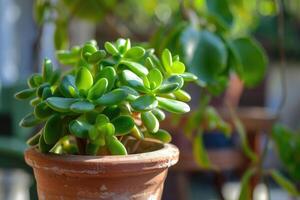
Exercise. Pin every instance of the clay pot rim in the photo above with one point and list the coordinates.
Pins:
(82, 165)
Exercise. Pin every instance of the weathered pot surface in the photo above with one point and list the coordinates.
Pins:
(69, 177)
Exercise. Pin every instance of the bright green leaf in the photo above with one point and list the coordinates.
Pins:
(98, 89)
(82, 107)
(172, 106)
(123, 124)
(144, 103)
(60, 104)
(84, 79)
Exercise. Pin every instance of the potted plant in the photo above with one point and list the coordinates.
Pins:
(99, 134)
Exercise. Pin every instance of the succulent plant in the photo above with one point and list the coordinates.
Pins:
(104, 97)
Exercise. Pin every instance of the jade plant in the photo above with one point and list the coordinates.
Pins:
(103, 98)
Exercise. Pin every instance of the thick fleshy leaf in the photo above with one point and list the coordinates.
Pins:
(68, 57)
(167, 60)
(112, 98)
(65, 86)
(35, 101)
(159, 114)
(40, 89)
(82, 106)
(98, 89)
(137, 133)
(248, 59)
(110, 48)
(175, 79)
(79, 128)
(97, 56)
(46, 93)
(167, 88)
(133, 81)
(34, 140)
(42, 110)
(115, 146)
(182, 95)
(135, 67)
(25, 94)
(178, 67)
(150, 121)
(53, 130)
(188, 76)
(30, 120)
(161, 135)
(112, 111)
(144, 103)
(88, 49)
(107, 130)
(35, 80)
(110, 74)
(101, 120)
(47, 70)
(123, 124)
(135, 53)
(93, 133)
(84, 79)
(43, 146)
(60, 104)
(155, 76)
(172, 106)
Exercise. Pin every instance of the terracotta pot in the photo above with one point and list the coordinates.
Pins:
(137, 176)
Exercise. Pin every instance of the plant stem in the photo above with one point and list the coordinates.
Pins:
(81, 143)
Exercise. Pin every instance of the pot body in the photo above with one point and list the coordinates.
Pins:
(69, 177)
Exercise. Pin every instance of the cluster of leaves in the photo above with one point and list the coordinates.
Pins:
(105, 97)
(211, 46)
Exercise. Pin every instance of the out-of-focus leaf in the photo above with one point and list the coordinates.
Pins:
(209, 58)
(200, 153)
(220, 13)
(284, 183)
(30, 120)
(24, 94)
(61, 40)
(248, 59)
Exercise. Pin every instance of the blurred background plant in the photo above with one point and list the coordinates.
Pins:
(215, 38)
